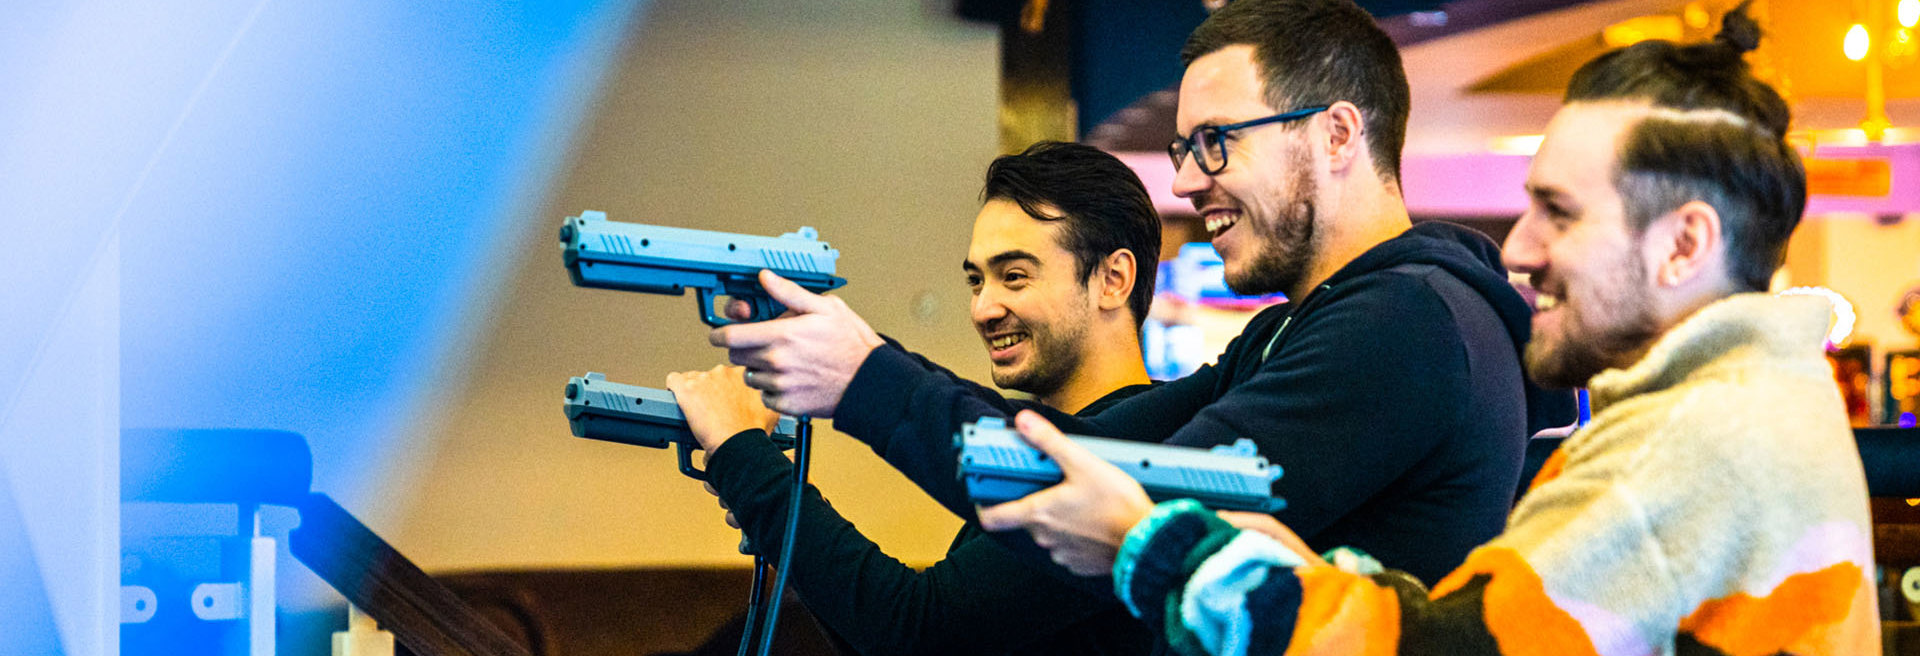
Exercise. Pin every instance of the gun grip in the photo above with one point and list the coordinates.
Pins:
(764, 308)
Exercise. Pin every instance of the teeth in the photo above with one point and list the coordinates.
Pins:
(1006, 340)
(1544, 302)
(1221, 221)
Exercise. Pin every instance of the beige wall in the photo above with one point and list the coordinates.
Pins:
(871, 120)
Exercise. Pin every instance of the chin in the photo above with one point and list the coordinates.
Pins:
(1006, 379)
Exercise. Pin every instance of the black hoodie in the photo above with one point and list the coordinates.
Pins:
(1392, 397)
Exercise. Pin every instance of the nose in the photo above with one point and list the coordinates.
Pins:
(1188, 179)
(1525, 252)
(987, 307)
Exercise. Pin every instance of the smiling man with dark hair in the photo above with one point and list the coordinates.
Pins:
(1061, 267)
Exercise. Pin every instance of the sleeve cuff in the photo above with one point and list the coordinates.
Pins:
(1152, 559)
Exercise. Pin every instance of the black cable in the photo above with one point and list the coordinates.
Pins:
(802, 443)
(753, 605)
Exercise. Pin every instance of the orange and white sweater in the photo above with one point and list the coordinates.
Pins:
(1714, 505)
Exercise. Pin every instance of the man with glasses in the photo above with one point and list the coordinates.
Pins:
(1389, 387)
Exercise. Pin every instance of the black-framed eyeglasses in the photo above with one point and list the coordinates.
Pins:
(1208, 143)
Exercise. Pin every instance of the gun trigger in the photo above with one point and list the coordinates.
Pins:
(769, 309)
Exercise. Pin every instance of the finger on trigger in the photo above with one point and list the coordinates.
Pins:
(795, 297)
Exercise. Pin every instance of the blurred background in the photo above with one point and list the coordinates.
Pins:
(337, 219)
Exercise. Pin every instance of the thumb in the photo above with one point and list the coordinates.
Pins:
(1010, 515)
(1043, 435)
(793, 296)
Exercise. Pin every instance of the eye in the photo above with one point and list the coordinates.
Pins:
(1015, 279)
(1555, 214)
(973, 282)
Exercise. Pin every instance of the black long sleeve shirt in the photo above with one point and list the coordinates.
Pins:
(982, 598)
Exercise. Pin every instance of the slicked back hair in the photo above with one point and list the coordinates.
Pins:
(1318, 52)
(1100, 204)
(1718, 136)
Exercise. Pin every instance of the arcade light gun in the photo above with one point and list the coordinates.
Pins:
(633, 257)
(600, 409)
(998, 466)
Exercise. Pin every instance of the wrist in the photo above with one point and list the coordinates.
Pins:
(712, 438)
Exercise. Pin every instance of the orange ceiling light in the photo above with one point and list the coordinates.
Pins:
(1857, 42)
(1642, 28)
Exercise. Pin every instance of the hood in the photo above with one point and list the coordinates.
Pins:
(1464, 252)
(1473, 258)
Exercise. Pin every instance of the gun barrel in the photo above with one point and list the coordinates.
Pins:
(998, 466)
(601, 409)
(605, 254)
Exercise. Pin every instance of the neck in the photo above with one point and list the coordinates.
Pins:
(1358, 216)
(1675, 306)
(1102, 370)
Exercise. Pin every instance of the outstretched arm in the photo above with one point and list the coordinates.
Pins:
(982, 598)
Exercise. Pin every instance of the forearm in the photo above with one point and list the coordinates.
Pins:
(1209, 588)
(980, 599)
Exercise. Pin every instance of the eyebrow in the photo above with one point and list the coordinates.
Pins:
(1002, 258)
(1208, 123)
(1545, 193)
(1011, 256)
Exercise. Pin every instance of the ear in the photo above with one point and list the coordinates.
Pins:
(1687, 246)
(1346, 138)
(1114, 278)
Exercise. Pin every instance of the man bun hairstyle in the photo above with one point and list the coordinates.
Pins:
(1099, 202)
(1717, 135)
(1318, 52)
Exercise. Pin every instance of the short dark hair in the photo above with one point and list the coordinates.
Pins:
(1316, 52)
(1737, 160)
(1101, 205)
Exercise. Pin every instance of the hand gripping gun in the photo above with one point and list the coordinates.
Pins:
(601, 409)
(998, 466)
(643, 416)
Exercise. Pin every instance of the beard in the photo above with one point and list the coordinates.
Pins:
(1055, 357)
(1604, 326)
(1286, 252)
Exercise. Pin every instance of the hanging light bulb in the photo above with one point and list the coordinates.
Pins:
(1856, 44)
(1908, 12)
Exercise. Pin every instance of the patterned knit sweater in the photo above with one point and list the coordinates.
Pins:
(1714, 505)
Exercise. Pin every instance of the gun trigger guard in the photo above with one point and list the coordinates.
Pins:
(705, 297)
(686, 462)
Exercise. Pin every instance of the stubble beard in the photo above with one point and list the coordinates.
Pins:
(1591, 345)
(1287, 250)
(1056, 356)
